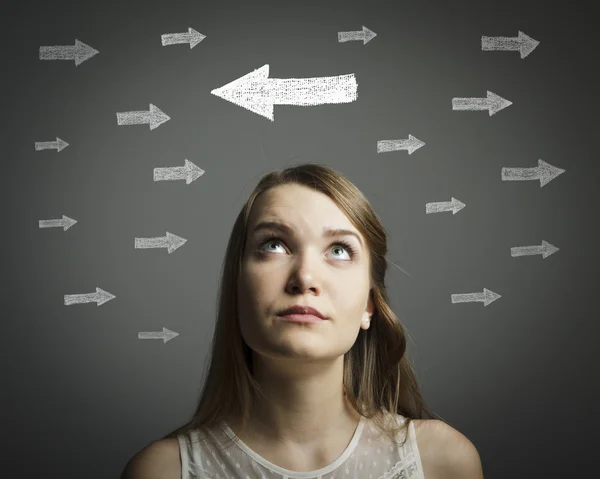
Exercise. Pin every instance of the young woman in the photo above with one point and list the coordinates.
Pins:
(308, 375)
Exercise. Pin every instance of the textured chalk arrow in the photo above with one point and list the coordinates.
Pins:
(64, 223)
(455, 206)
(79, 52)
(154, 117)
(365, 35)
(258, 93)
(545, 249)
(493, 103)
(192, 37)
(543, 172)
(486, 297)
(411, 144)
(100, 297)
(523, 43)
(57, 145)
(165, 335)
(189, 172)
(170, 241)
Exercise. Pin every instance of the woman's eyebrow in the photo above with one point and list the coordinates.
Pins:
(327, 231)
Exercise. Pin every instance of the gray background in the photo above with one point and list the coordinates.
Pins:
(82, 394)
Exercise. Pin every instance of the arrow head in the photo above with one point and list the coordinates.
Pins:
(414, 144)
(157, 117)
(496, 103)
(67, 222)
(249, 92)
(547, 172)
(174, 242)
(548, 249)
(457, 205)
(103, 296)
(168, 335)
(527, 44)
(83, 52)
(192, 172)
(369, 35)
(61, 144)
(490, 296)
(195, 37)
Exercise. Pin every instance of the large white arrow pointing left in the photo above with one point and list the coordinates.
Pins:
(258, 93)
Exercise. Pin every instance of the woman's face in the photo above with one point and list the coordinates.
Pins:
(302, 266)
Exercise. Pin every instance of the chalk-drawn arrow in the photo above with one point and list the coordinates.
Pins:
(79, 52)
(258, 93)
(486, 297)
(545, 249)
(57, 145)
(170, 241)
(455, 206)
(154, 117)
(165, 335)
(100, 297)
(189, 172)
(523, 43)
(365, 35)
(411, 144)
(543, 172)
(64, 223)
(493, 103)
(192, 37)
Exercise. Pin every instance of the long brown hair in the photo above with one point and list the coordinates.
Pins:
(378, 377)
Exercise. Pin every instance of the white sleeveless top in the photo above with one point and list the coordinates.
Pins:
(370, 455)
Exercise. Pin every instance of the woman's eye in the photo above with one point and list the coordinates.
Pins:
(339, 244)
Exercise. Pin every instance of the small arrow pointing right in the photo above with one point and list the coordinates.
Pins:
(523, 43)
(411, 144)
(493, 103)
(545, 249)
(365, 35)
(64, 223)
(192, 37)
(79, 52)
(100, 297)
(57, 145)
(486, 297)
(154, 117)
(170, 241)
(543, 172)
(165, 335)
(455, 206)
(189, 172)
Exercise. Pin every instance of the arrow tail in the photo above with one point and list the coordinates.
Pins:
(174, 38)
(57, 52)
(80, 298)
(150, 335)
(469, 103)
(392, 145)
(526, 251)
(438, 207)
(499, 43)
(519, 174)
(133, 117)
(166, 174)
(467, 298)
(150, 243)
(350, 36)
(51, 223)
(46, 145)
(313, 91)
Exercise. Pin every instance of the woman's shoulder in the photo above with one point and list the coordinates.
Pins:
(445, 450)
(158, 460)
